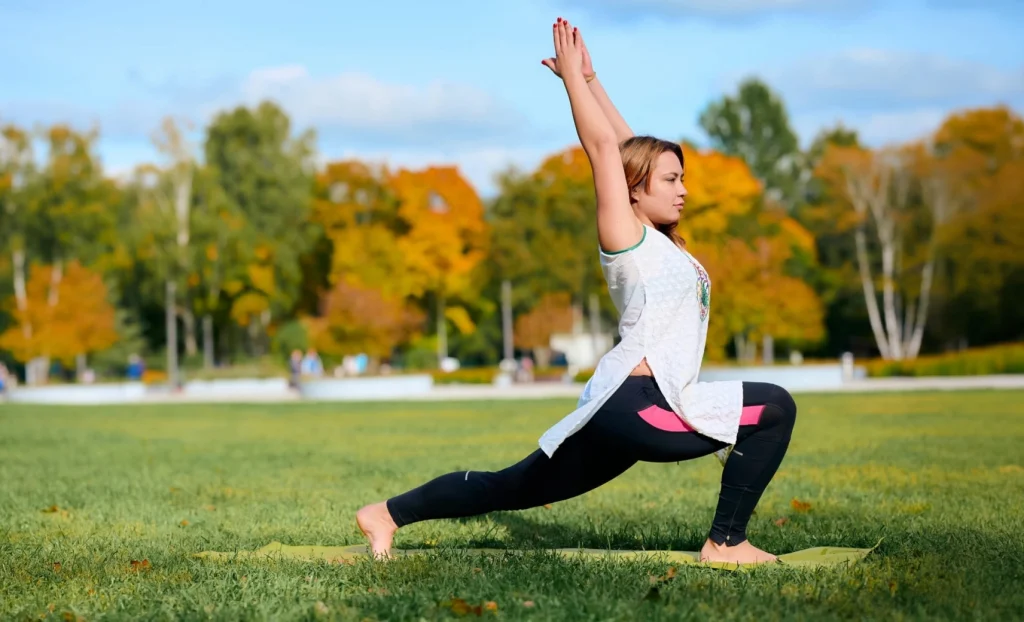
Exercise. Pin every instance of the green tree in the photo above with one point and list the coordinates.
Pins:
(754, 125)
(265, 174)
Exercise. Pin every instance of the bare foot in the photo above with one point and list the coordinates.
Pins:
(376, 523)
(743, 553)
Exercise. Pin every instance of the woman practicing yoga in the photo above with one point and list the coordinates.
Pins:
(644, 402)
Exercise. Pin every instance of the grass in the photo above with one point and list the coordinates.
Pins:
(939, 476)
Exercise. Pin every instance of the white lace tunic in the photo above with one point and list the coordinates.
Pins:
(663, 296)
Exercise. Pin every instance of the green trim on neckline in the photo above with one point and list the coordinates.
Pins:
(626, 250)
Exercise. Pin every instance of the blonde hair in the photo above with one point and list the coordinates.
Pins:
(639, 157)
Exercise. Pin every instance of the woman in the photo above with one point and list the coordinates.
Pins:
(644, 402)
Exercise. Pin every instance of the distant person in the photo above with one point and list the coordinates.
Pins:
(4, 380)
(295, 368)
(644, 401)
(311, 364)
(135, 368)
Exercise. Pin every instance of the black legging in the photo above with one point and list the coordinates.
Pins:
(614, 439)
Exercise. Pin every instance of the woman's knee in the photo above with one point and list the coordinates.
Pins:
(782, 407)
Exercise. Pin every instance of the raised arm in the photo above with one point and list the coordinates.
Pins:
(622, 129)
(617, 226)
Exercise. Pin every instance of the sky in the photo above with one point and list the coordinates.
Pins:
(460, 82)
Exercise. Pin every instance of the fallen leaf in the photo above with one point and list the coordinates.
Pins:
(91, 592)
(528, 603)
(50, 510)
(209, 508)
(184, 523)
(547, 506)
(800, 506)
(461, 607)
(143, 565)
(779, 522)
(51, 607)
(478, 570)
(56, 566)
(321, 608)
(490, 606)
(1011, 468)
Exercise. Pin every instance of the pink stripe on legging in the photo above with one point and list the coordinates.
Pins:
(668, 421)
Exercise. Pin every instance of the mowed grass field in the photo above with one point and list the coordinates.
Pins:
(87, 491)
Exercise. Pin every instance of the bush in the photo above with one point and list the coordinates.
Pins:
(1001, 359)
(473, 375)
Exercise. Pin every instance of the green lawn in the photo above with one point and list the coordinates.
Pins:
(939, 476)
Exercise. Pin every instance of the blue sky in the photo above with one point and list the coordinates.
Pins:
(461, 82)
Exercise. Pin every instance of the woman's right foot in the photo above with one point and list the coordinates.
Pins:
(375, 522)
(743, 553)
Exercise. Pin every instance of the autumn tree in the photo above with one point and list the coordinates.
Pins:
(356, 318)
(533, 330)
(16, 171)
(76, 320)
(445, 241)
(748, 250)
(980, 153)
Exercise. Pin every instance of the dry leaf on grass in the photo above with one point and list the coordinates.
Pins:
(800, 506)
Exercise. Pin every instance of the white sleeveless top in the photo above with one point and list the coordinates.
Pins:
(663, 296)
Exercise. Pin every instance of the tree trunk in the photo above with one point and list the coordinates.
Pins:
(768, 350)
(208, 341)
(869, 294)
(80, 366)
(914, 347)
(506, 320)
(170, 317)
(442, 329)
(20, 292)
(892, 322)
(189, 320)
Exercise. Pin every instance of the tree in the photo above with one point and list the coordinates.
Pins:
(16, 171)
(904, 198)
(754, 125)
(445, 242)
(265, 175)
(748, 250)
(77, 320)
(533, 330)
(360, 319)
(982, 268)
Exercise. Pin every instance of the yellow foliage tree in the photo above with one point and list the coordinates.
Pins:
(75, 319)
(446, 239)
(358, 318)
(752, 296)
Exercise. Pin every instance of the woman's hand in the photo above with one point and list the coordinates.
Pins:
(576, 38)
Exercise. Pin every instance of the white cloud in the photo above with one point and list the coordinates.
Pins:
(359, 106)
(725, 9)
(883, 78)
(874, 128)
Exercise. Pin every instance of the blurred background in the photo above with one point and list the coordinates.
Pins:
(195, 192)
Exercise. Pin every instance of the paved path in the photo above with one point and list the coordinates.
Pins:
(554, 390)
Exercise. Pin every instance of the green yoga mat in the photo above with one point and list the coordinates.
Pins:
(816, 557)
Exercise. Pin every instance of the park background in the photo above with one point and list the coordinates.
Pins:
(402, 180)
(406, 196)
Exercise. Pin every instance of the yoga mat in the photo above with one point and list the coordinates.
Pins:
(817, 557)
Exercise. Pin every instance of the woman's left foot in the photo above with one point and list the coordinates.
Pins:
(743, 553)
(375, 522)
